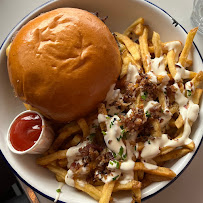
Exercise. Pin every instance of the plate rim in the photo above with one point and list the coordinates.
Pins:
(145, 198)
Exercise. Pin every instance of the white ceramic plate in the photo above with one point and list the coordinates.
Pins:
(121, 13)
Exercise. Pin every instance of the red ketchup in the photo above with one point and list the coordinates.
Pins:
(25, 131)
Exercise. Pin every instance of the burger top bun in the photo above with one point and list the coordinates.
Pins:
(63, 63)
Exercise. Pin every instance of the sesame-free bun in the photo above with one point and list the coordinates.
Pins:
(63, 63)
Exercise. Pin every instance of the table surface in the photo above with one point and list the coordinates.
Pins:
(188, 187)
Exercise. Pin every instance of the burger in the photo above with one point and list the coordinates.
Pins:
(63, 62)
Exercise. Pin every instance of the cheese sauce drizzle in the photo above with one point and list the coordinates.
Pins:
(122, 167)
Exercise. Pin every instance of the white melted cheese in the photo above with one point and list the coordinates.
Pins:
(181, 73)
(189, 86)
(152, 77)
(132, 73)
(112, 94)
(114, 175)
(188, 111)
(73, 153)
(158, 66)
(69, 178)
(176, 46)
(58, 193)
(149, 105)
(150, 166)
(113, 132)
(127, 167)
(166, 117)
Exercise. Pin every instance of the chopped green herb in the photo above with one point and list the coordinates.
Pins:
(149, 142)
(189, 93)
(135, 148)
(103, 132)
(115, 114)
(111, 124)
(124, 156)
(115, 177)
(144, 95)
(121, 127)
(148, 114)
(114, 154)
(120, 151)
(111, 163)
(58, 190)
(118, 138)
(117, 165)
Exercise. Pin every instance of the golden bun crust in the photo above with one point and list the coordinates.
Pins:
(63, 63)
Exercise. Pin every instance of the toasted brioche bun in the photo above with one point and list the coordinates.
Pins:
(63, 63)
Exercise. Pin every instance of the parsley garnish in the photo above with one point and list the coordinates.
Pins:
(103, 132)
(144, 95)
(121, 127)
(189, 93)
(114, 154)
(120, 151)
(124, 156)
(115, 177)
(111, 124)
(118, 138)
(148, 114)
(135, 148)
(111, 163)
(149, 142)
(58, 190)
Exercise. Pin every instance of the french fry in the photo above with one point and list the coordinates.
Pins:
(59, 179)
(106, 192)
(102, 110)
(171, 63)
(88, 188)
(179, 122)
(198, 79)
(8, 49)
(187, 47)
(133, 184)
(83, 125)
(132, 47)
(136, 193)
(156, 130)
(190, 146)
(60, 172)
(175, 154)
(73, 142)
(65, 132)
(146, 58)
(63, 162)
(133, 25)
(45, 160)
(156, 178)
(126, 58)
(161, 171)
(157, 44)
(138, 30)
(196, 96)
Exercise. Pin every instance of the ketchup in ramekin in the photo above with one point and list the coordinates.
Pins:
(29, 133)
(25, 131)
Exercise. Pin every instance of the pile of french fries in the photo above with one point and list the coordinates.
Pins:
(138, 52)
